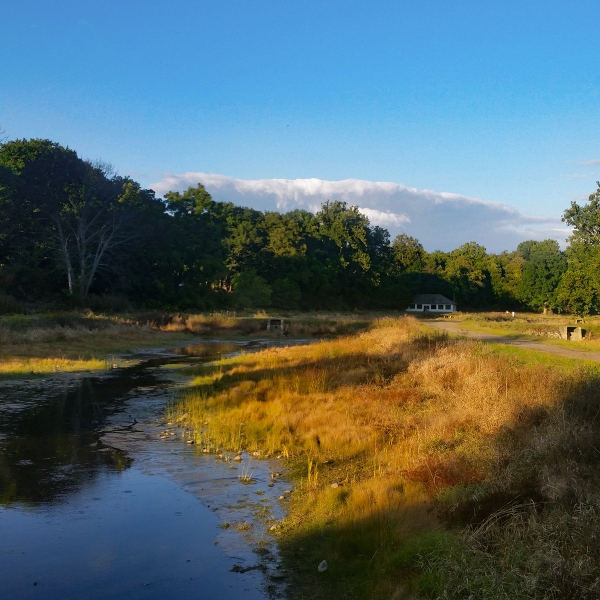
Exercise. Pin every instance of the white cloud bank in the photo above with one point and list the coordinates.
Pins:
(440, 220)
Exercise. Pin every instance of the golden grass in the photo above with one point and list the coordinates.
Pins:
(35, 344)
(31, 366)
(303, 325)
(381, 428)
(30, 346)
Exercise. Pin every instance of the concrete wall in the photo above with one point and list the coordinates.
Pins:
(574, 334)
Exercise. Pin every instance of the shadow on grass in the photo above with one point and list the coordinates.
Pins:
(528, 530)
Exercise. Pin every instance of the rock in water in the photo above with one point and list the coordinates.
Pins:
(322, 566)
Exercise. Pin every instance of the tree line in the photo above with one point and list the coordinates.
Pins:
(73, 231)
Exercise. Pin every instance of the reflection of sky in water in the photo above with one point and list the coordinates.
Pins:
(81, 521)
(131, 536)
(51, 447)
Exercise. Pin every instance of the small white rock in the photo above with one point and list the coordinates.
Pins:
(322, 566)
(334, 485)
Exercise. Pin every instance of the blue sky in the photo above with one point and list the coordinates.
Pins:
(494, 101)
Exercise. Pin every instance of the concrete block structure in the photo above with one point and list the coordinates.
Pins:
(432, 303)
(276, 326)
(574, 334)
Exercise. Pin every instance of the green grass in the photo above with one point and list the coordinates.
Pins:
(524, 357)
(535, 328)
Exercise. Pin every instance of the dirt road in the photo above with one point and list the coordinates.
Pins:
(454, 327)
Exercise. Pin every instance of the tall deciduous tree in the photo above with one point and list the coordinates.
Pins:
(580, 286)
(542, 271)
(467, 271)
(194, 253)
(78, 211)
(409, 254)
(585, 220)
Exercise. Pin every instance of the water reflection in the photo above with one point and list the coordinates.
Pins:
(91, 522)
(51, 447)
(216, 349)
(50, 431)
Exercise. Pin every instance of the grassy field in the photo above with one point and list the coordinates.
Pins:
(423, 466)
(35, 345)
(543, 328)
(32, 346)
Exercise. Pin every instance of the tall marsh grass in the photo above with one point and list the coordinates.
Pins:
(398, 434)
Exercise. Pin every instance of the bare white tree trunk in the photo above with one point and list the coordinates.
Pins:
(64, 247)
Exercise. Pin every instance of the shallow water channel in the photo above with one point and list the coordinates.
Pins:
(94, 504)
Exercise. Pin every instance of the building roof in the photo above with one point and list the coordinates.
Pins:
(431, 299)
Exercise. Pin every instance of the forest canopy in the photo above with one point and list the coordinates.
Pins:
(73, 231)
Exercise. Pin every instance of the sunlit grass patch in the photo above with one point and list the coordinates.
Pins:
(528, 357)
(32, 367)
(75, 337)
(541, 328)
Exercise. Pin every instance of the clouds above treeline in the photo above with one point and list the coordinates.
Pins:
(440, 220)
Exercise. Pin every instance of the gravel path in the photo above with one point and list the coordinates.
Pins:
(454, 327)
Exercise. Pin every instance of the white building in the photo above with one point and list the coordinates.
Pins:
(433, 303)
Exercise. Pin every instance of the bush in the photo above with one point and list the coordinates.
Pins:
(286, 294)
(8, 305)
(251, 290)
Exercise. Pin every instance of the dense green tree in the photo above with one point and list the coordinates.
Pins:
(70, 215)
(73, 228)
(542, 271)
(285, 294)
(585, 220)
(505, 271)
(251, 290)
(579, 290)
(409, 254)
(42, 175)
(467, 271)
(194, 253)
